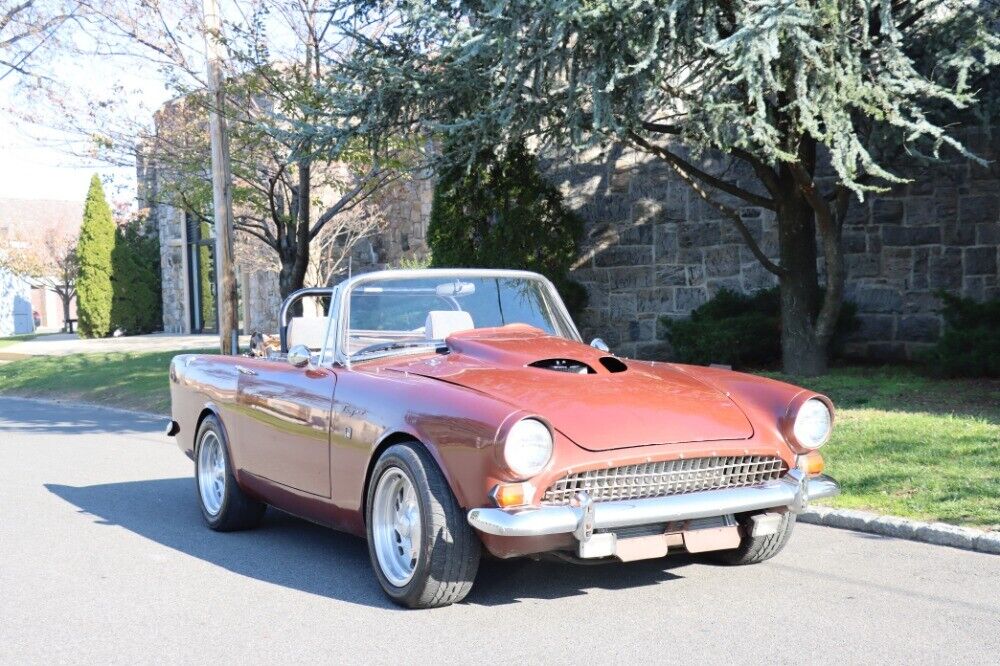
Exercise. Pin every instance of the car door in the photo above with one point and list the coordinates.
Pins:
(285, 424)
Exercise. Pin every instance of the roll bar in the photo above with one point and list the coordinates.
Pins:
(287, 306)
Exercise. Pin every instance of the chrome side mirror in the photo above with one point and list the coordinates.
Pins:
(597, 343)
(299, 356)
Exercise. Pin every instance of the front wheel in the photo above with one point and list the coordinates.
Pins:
(423, 550)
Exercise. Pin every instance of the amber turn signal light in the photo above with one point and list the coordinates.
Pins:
(812, 463)
(511, 494)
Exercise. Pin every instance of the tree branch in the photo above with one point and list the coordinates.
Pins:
(734, 217)
(704, 176)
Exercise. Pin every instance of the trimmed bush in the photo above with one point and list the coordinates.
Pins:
(501, 213)
(741, 330)
(970, 343)
(137, 306)
(94, 292)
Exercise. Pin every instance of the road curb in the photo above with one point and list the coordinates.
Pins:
(90, 405)
(940, 534)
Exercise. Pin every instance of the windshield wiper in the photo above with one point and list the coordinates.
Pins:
(390, 346)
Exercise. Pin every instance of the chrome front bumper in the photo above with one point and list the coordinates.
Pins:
(793, 491)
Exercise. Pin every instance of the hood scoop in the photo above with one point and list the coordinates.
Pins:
(598, 401)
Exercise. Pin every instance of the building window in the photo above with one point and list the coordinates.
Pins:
(201, 276)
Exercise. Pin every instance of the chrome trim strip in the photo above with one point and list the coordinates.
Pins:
(793, 491)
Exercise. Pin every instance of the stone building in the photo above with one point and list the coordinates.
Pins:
(654, 249)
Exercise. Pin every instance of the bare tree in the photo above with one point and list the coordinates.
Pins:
(28, 29)
(341, 239)
(280, 53)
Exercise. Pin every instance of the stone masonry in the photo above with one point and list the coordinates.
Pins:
(653, 248)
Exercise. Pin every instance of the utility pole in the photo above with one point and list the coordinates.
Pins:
(222, 180)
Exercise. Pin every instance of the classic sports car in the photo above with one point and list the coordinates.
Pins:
(441, 412)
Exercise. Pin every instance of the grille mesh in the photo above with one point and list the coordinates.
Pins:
(671, 477)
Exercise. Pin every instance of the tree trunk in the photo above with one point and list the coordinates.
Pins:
(288, 278)
(802, 354)
(66, 299)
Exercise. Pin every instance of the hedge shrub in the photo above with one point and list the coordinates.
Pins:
(135, 261)
(741, 330)
(970, 343)
(501, 213)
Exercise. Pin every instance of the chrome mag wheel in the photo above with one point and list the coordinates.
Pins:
(396, 528)
(211, 473)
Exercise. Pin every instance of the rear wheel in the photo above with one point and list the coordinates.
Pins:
(423, 550)
(753, 550)
(224, 505)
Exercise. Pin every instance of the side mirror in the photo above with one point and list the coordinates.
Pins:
(597, 343)
(299, 356)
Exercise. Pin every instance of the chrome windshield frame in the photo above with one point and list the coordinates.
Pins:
(340, 309)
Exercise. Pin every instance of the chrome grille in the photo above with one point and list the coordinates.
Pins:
(671, 477)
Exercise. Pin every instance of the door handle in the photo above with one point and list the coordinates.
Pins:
(243, 370)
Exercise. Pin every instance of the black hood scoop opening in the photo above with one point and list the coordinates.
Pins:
(564, 365)
(610, 363)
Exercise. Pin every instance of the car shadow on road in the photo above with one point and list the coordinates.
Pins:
(300, 555)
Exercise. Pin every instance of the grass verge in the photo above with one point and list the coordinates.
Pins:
(125, 380)
(912, 446)
(904, 444)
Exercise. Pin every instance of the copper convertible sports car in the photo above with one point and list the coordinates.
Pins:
(439, 413)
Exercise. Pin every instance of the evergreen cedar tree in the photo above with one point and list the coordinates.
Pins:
(94, 290)
(801, 107)
(499, 212)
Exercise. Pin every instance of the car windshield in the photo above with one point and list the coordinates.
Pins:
(392, 315)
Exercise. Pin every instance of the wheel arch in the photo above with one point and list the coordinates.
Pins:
(211, 409)
(402, 437)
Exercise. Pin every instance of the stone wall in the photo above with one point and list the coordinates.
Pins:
(407, 209)
(169, 222)
(654, 249)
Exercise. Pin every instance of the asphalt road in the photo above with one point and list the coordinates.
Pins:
(104, 558)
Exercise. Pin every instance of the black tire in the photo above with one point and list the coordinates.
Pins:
(449, 551)
(239, 511)
(754, 550)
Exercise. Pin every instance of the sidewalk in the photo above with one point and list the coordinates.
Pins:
(63, 344)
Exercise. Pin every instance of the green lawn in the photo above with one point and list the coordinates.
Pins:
(911, 446)
(903, 444)
(124, 380)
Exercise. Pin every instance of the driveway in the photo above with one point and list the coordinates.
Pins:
(103, 558)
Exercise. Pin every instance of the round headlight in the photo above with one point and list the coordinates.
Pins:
(812, 424)
(528, 447)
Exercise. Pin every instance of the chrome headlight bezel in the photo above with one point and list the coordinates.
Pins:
(812, 423)
(528, 447)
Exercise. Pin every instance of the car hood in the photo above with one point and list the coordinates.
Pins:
(618, 404)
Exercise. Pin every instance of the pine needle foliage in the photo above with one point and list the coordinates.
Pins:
(797, 107)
